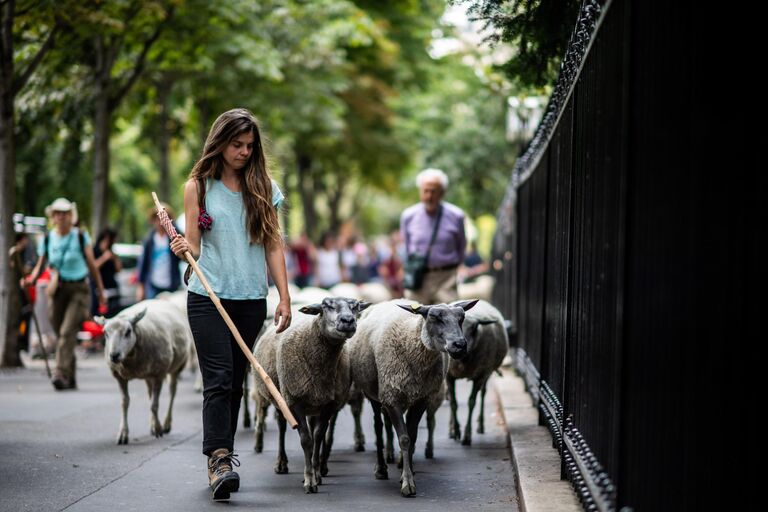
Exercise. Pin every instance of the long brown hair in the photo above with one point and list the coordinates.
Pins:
(255, 181)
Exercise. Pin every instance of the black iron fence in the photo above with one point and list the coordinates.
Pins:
(624, 265)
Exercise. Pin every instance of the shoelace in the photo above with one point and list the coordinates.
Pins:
(224, 462)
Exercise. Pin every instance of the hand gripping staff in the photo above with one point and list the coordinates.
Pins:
(165, 221)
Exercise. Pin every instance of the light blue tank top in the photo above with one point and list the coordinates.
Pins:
(65, 253)
(235, 268)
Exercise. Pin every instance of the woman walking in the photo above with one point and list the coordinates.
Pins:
(70, 258)
(231, 204)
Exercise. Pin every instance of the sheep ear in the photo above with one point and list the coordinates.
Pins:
(416, 309)
(138, 317)
(361, 305)
(466, 305)
(312, 309)
(100, 320)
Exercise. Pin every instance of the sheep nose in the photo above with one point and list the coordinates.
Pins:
(114, 357)
(458, 350)
(347, 323)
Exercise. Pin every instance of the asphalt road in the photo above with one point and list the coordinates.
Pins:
(58, 452)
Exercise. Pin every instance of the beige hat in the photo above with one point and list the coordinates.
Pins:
(62, 204)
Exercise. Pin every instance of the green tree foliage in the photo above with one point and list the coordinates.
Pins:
(346, 91)
(538, 30)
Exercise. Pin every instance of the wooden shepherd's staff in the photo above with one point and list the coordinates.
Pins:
(165, 221)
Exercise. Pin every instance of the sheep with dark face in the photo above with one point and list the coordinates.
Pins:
(148, 341)
(308, 364)
(487, 344)
(397, 361)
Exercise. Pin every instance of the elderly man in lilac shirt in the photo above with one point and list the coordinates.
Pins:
(416, 225)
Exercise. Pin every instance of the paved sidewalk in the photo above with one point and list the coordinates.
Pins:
(58, 452)
(536, 462)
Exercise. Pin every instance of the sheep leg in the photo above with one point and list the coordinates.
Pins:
(412, 419)
(281, 464)
(305, 435)
(357, 409)
(454, 429)
(174, 379)
(389, 451)
(319, 433)
(261, 418)
(467, 440)
(328, 444)
(246, 411)
(122, 434)
(407, 485)
(155, 428)
(380, 471)
(429, 451)
(481, 418)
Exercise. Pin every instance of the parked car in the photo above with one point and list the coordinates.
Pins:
(127, 278)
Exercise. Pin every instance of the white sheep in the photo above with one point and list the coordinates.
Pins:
(148, 340)
(487, 344)
(350, 290)
(308, 364)
(397, 361)
(375, 292)
(480, 288)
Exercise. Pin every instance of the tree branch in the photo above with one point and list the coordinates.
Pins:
(6, 46)
(140, 61)
(22, 79)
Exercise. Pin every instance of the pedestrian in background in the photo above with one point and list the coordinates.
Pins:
(21, 310)
(230, 205)
(302, 251)
(328, 265)
(67, 251)
(109, 265)
(433, 231)
(158, 265)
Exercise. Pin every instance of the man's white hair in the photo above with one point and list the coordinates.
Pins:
(432, 174)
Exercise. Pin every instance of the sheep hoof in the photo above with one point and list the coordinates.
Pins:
(324, 471)
(167, 429)
(408, 488)
(467, 441)
(359, 447)
(381, 473)
(428, 453)
(258, 448)
(390, 458)
(281, 467)
(310, 489)
(480, 429)
(122, 438)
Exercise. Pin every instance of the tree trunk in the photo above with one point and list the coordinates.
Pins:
(9, 293)
(334, 200)
(303, 173)
(204, 109)
(102, 123)
(164, 139)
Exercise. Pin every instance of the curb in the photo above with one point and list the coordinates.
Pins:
(536, 463)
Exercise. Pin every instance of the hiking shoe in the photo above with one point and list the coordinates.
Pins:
(221, 478)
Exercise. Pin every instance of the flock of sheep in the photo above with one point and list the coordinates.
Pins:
(344, 345)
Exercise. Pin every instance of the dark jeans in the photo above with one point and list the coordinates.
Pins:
(222, 362)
